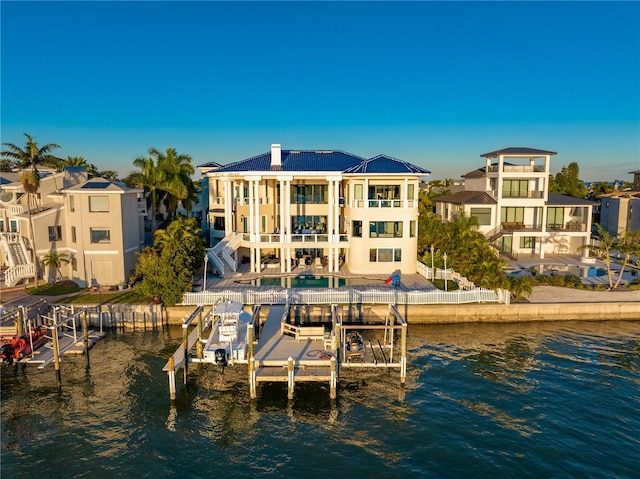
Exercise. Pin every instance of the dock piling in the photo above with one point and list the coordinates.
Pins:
(172, 379)
(85, 336)
(290, 378)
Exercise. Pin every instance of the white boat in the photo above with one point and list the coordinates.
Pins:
(227, 341)
(354, 346)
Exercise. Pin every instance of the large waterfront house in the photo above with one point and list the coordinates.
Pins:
(510, 197)
(620, 210)
(331, 209)
(97, 224)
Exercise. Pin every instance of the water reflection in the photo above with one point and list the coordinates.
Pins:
(479, 400)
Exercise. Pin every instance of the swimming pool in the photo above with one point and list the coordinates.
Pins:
(563, 270)
(308, 281)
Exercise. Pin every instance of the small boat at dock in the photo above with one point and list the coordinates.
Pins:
(16, 348)
(354, 346)
(228, 338)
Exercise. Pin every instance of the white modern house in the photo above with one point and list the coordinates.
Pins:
(620, 210)
(96, 223)
(510, 197)
(284, 209)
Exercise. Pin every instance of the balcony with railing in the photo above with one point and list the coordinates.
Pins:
(306, 238)
(522, 194)
(516, 168)
(380, 203)
(570, 226)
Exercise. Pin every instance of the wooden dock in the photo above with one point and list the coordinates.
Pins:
(294, 353)
(287, 353)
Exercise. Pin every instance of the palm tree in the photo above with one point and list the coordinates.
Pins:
(606, 245)
(53, 259)
(157, 176)
(520, 286)
(80, 161)
(178, 166)
(182, 234)
(28, 159)
(628, 244)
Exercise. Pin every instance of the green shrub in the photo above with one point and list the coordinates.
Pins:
(572, 281)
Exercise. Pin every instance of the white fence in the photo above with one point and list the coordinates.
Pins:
(347, 296)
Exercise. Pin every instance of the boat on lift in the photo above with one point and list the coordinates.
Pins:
(15, 348)
(227, 341)
(354, 346)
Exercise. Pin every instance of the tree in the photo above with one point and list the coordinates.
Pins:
(178, 167)
(28, 159)
(606, 245)
(521, 286)
(158, 176)
(628, 243)
(567, 182)
(76, 161)
(167, 268)
(54, 260)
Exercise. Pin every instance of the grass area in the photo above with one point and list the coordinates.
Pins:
(439, 283)
(55, 289)
(117, 297)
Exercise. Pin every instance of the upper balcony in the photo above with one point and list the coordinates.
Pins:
(508, 168)
(380, 203)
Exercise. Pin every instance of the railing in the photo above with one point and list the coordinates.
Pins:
(16, 209)
(347, 296)
(15, 274)
(295, 238)
(569, 226)
(380, 203)
(516, 168)
(525, 194)
(448, 274)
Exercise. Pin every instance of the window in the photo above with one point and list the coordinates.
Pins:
(100, 235)
(218, 223)
(13, 226)
(412, 229)
(512, 215)
(1, 225)
(357, 229)
(98, 204)
(55, 233)
(357, 191)
(385, 255)
(482, 214)
(72, 203)
(555, 217)
(74, 263)
(73, 234)
(515, 188)
(309, 194)
(410, 192)
(385, 229)
(528, 242)
(384, 192)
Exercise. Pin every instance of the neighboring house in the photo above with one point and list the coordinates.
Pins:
(96, 223)
(510, 198)
(620, 210)
(314, 208)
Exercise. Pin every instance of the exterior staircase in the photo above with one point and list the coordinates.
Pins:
(20, 266)
(220, 254)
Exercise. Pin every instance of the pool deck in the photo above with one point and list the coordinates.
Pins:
(229, 281)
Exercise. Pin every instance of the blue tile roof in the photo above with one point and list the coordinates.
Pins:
(322, 160)
(386, 164)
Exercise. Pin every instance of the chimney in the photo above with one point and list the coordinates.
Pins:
(276, 156)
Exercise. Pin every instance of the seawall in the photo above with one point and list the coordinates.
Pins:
(486, 313)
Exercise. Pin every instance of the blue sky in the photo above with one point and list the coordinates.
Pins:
(434, 83)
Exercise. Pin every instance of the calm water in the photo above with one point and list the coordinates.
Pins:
(528, 400)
